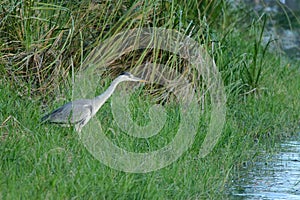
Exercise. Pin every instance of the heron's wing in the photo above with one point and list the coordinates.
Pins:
(82, 110)
(72, 112)
(58, 115)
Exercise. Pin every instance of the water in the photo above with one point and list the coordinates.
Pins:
(273, 177)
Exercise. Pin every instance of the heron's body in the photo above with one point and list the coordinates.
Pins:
(79, 112)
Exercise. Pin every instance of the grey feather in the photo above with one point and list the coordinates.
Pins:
(79, 112)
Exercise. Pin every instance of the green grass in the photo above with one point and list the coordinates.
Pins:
(50, 42)
(43, 161)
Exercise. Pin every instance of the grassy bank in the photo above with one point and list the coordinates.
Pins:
(44, 44)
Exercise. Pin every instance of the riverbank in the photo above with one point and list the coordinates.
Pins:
(273, 176)
(44, 44)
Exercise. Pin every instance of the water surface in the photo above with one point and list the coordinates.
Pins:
(272, 177)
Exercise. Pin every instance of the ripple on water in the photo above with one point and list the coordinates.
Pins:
(274, 177)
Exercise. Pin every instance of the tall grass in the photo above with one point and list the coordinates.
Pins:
(43, 41)
(44, 44)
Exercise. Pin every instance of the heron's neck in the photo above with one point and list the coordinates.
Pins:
(102, 98)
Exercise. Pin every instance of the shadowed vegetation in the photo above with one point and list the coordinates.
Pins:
(43, 46)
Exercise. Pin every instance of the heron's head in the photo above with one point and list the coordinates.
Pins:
(126, 76)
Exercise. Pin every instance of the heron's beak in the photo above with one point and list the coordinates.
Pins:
(143, 81)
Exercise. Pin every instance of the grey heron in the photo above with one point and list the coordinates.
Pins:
(80, 111)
